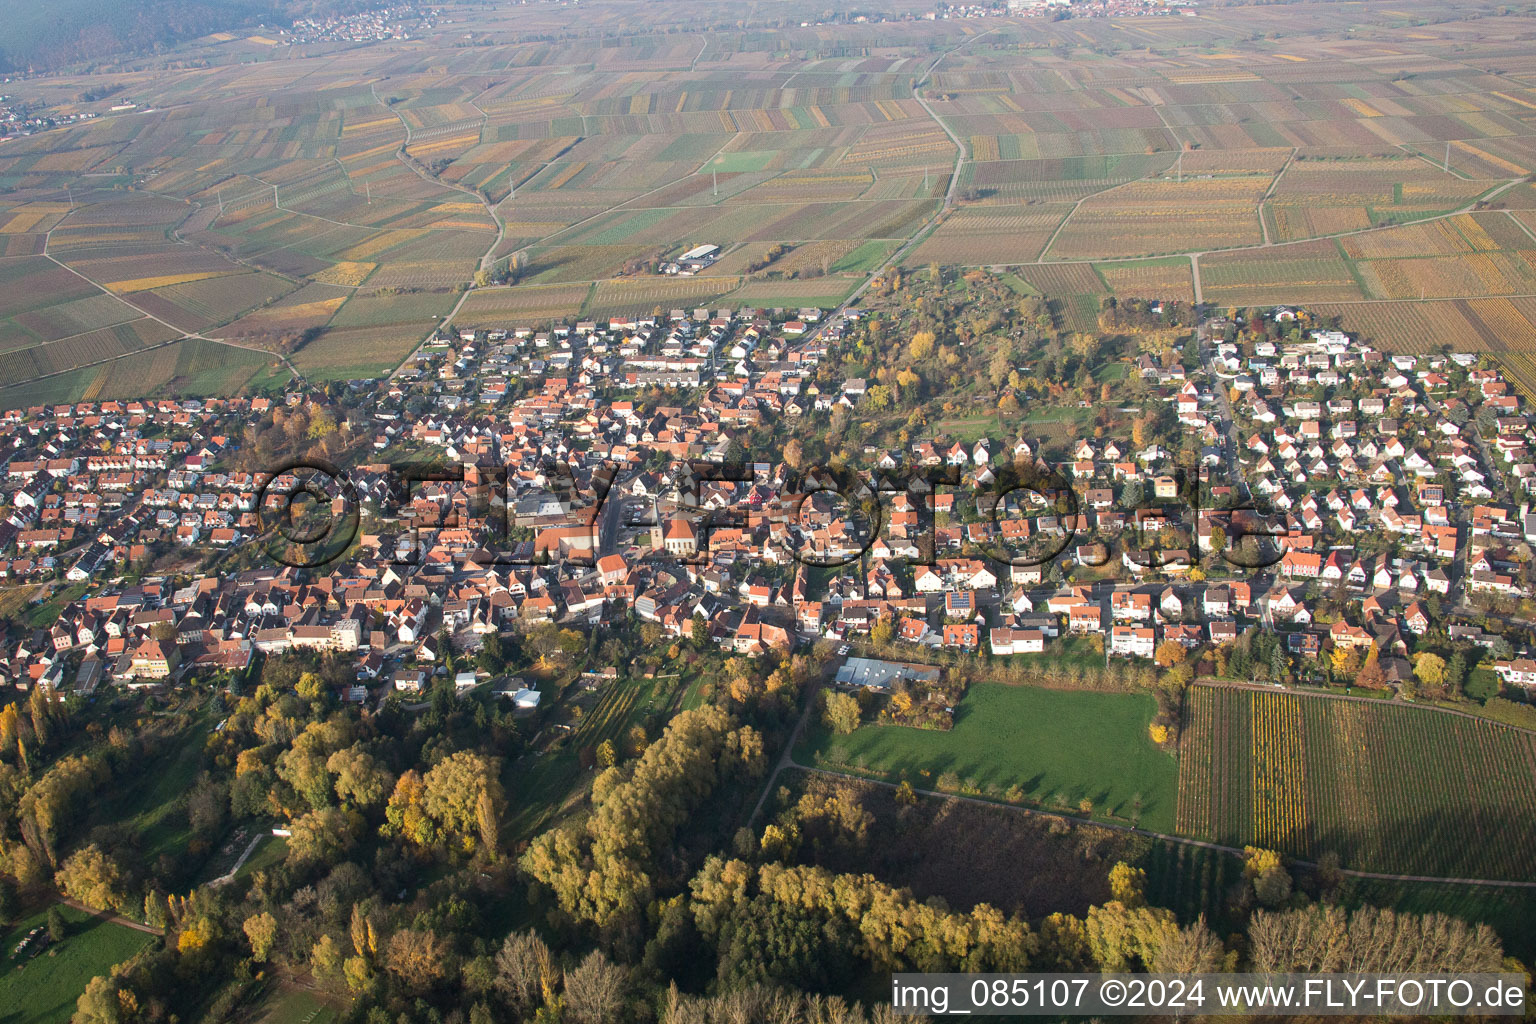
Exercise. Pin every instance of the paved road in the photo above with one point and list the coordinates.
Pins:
(787, 758)
(126, 922)
(181, 335)
(960, 151)
(250, 848)
(609, 523)
(949, 198)
(1224, 405)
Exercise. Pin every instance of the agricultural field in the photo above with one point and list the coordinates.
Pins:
(607, 720)
(1162, 279)
(1387, 786)
(350, 353)
(523, 303)
(1060, 747)
(1327, 192)
(648, 293)
(990, 234)
(1148, 218)
(816, 291)
(1505, 327)
(1304, 272)
(247, 198)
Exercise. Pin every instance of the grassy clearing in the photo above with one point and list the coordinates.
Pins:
(1019, 285)
(972, 428)
(44, 990)
(539, 784)
(694, 697)
(746, 160)
(863, 259)
(269, 854)
(296, 1006)
(151, 803)
(1059, 747)
(45, 614)
(1065, 651)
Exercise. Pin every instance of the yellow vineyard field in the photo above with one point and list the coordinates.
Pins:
(348, 274)
(142, 284)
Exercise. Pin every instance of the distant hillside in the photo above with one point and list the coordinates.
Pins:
(47, 34)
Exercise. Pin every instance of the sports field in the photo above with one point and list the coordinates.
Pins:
(1059, 746)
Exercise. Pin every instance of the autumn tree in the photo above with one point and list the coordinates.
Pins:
(1264, 869)
(451, 792)
(1121, 937)
(322, 836)
(406, 814)
(488, 822)
(1345, 662)
(261, 931)
(594, 990)
(794, 454)
(1327, 938)
(524, 968)
(360, 779)
(207, 804)
(1194, 949)
(103, 1001)
(1371, 675)
(795, 906)
(1000, 366)
(10, 729)
(601, 871)
(52, 802)
(94, 878)
(1170, 653)
(417, 957)
(1128, 884)
(1429, 668)
(1063, 943)
(304, 765)
(840, 712)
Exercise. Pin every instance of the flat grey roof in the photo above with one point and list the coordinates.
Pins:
(879, 675)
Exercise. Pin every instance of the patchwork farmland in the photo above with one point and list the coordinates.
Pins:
(1311, 774)
(349, 210)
